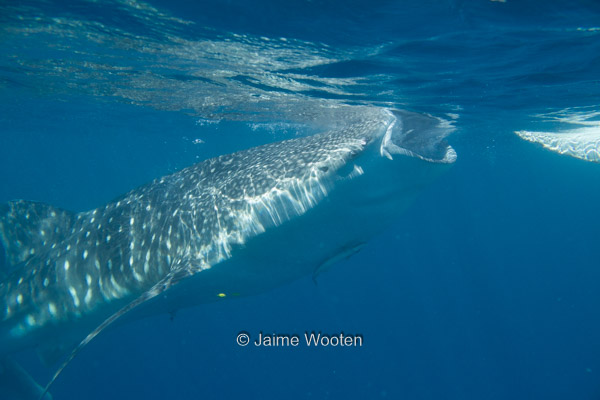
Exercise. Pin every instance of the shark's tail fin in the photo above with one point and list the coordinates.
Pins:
(16, 384)
(28, 227)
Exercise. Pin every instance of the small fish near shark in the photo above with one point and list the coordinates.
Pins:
(239, 223)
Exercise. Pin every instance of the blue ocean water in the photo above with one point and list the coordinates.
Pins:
(487, 288)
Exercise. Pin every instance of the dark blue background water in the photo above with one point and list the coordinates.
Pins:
(486, 289)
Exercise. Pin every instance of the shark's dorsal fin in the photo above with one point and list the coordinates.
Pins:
(343, 254)
(28, 228)
(51, 354)
(168, 281)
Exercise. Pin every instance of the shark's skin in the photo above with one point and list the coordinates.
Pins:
(582, 143)
(235, 225)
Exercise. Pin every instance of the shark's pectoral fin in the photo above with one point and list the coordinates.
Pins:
(28, 228)
(51, 354)
(175, 276)
(344, 253)
(16, 384)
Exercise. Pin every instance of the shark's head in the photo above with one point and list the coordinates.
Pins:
(410, 152)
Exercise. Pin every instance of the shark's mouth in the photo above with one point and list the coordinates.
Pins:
(418, 135)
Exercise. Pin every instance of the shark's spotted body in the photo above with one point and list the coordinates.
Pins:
(238, 223)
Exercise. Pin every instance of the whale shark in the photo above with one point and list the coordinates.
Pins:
(578, 135)
(581, 143)
(233, 225)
